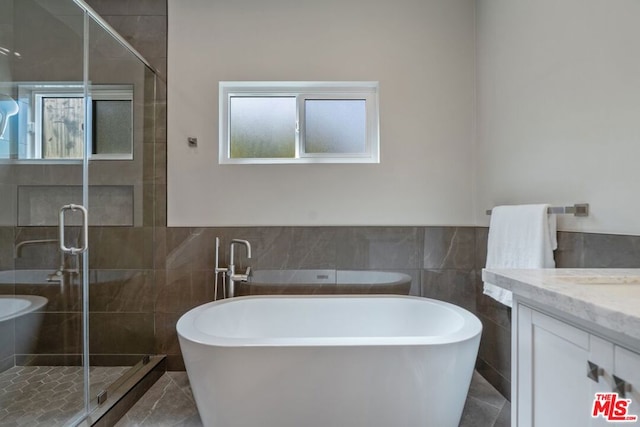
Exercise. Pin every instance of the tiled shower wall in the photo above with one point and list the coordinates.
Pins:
(144, 25)
(122, 299)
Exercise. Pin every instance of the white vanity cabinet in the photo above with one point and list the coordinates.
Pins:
(558, 367)
(626, 366)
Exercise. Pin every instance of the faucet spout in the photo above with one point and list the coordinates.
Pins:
(241, 242)
(231, 270)
(24, 243)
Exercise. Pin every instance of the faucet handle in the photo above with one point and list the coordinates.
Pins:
(248, 272)
(239, 277)
(55, 277)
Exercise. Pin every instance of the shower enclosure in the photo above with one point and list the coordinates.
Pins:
(77, 129)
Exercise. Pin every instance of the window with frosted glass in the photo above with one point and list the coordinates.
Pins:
(335, 126)
(298, 122)
(262, 127)
(112, 126)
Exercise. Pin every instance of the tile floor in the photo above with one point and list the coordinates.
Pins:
(48, 395)
(170, 403)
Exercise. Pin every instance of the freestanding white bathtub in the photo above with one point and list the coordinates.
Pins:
(26, 309)
(329, 361)
(14, 306)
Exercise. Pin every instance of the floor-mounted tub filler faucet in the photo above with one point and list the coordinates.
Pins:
(230, 272)
(20, 246)
(62, 274)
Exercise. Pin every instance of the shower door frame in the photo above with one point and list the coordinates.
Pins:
(90, 15)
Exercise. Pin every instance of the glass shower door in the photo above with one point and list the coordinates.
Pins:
(43, 188)
(77, 132)
(121, 96)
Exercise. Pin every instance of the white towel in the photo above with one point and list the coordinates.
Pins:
(521, 236)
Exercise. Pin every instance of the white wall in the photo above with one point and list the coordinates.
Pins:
(421, 52)
(559, 108)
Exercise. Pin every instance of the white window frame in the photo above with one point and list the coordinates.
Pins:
(34, 95)
(367, 91)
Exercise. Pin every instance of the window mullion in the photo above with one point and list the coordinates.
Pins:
(299, 126)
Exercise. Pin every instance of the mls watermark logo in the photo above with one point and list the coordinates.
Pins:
(612, 408)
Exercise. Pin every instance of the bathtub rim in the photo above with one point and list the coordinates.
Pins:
(31, 276)
(186, 330)
(37, 302)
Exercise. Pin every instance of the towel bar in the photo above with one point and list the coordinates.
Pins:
(579, 209)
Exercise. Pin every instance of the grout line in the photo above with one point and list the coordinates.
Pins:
(482, 402)
(189, 396)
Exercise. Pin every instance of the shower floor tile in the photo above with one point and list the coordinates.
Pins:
(48, 395)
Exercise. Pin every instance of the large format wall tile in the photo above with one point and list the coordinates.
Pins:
(146, 33)
(38, 255)
(6, 247)
(491, 309)
(500, 383)
(8, 195)
(59, 333)
(110, 204)
(482, 236)
(7, 342)
(189, 249)
(129, 7)
(449, 248)
(121, 333)
(454, 286)
(495, 347)
(416, 280)
(487, 306)
(7, 362)
(180, 290)
(121, 291)
(57, 56)
(161, 205)
(611, 251)
(493, 361)
(570, 252)
(64, 296)
(372, 248)
(43, 174)
(148, 204)
(122, 248)
(166, 333)
(281, 248)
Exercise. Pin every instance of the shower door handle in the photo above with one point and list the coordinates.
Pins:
(85, 229)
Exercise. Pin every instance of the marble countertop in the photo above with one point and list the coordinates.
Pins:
(608, 298)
